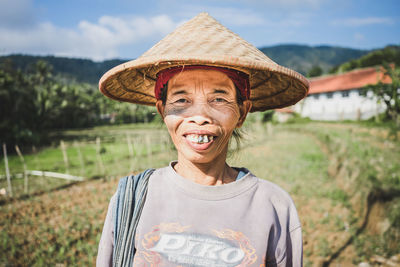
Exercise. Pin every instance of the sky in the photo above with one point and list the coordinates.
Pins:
(125, 29)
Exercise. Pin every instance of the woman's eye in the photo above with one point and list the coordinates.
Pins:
(182, 101)
(219, 100)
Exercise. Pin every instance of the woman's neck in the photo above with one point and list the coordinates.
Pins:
(216, 172)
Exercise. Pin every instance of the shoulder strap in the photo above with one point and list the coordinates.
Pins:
(128, 205)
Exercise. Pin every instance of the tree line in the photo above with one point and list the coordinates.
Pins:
(35, 101)
(389, 54)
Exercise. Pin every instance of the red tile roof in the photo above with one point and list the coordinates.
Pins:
(350, 80)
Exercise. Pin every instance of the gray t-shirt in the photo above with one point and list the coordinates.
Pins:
(250, 222)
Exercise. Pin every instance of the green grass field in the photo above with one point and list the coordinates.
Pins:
(343, 177)
(87, 159)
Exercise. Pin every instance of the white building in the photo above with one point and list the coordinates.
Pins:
(339, 97)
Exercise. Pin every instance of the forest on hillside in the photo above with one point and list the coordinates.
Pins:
(303, 58)
(37, 100)
(389, 54)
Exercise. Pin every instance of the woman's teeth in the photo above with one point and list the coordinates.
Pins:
(200, 139)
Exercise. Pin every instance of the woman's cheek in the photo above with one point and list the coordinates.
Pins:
(171, 121)
(229, 114)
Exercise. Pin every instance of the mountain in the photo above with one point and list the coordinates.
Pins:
(302, 57)
(82, 70)
(389, 54)
(298, 57)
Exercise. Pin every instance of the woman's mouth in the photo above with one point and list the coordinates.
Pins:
(199, 138)
(199, 142)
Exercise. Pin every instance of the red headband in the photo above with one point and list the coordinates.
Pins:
(240, 79)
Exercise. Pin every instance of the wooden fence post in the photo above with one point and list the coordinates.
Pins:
(99, 159)
(40, 181)
(82, 162)
(34, 151)
(25, 169)
(64, 152)
(7, 170)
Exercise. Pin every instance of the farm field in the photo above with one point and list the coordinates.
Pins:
(343, 177)
(90, 153)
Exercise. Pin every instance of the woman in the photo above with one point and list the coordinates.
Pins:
(199, 211)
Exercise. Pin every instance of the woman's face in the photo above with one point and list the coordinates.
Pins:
(201, 112)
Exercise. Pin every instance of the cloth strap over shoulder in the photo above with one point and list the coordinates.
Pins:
(130, 198)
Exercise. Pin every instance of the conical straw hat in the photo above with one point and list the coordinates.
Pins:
(204, 41)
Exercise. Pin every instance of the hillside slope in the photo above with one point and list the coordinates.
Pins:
(389, 54)
(82, 70)
(302, 57)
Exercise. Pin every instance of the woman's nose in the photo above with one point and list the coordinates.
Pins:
(199, 114)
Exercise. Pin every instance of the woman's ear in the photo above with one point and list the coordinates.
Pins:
(244, 110)
(160, 108)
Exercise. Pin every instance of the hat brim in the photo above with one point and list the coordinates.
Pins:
(272, 86)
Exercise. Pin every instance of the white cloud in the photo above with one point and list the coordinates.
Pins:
(287, 4)
(98, 41)
(233, 17)
(294, 20)
(226, 15)
(358, 22)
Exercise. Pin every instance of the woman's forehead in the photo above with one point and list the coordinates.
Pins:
(211, 79)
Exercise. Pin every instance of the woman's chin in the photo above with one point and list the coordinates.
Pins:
(196, 157)
(201, 153)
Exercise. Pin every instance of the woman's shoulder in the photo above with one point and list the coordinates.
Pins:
(273, 192)
(281, 202)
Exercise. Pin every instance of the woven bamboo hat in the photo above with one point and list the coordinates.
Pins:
(204, 41)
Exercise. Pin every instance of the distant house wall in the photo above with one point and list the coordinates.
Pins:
(339, 105)
(337, 97)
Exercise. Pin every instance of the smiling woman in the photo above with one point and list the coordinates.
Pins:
(201, 112)
(199, 211)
